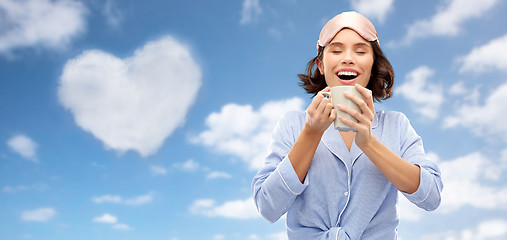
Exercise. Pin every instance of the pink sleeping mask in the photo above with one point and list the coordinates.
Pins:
(352, 20)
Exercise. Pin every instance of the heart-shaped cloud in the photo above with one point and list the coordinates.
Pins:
(132, 103)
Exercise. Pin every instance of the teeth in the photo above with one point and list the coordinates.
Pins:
(347, 73)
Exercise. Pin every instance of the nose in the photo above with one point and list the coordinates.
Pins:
(347, 58)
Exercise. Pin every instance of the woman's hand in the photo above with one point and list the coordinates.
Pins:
(320, 113)
(365, 119)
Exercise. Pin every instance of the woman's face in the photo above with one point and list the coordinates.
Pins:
(347, 60)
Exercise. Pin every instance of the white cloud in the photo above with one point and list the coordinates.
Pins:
(121, 226)
(108, 199)
(135, 201)
(111, 219)
(464, 186)
(407, 211)
(218, 236)
(38, 215)
(485, 120)
(278, 236)
(201, 204)
(276, 33)
(464, 94)
(192, 166)
(133, 103)
(240, 131)
(112, 13)
(13, 189)
(139, 200)
(46, 23)
(449, 19)
(487, 230)
(158, 170)
(238, 209)
(433, 156)
(188, 166)
(24, 146)
(18, 188)
(253, 237)
(491, 56)
(425, 96)
(251, 11)
(216, 175)
(273, 236)
(458, 88)
(373, 8)
(106, 218)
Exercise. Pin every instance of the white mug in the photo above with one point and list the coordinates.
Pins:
(337, 97)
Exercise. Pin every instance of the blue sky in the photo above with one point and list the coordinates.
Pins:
(148, 119)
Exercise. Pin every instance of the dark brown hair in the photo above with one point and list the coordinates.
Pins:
(380, 83)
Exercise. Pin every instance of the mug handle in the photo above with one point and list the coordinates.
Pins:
(326, 94)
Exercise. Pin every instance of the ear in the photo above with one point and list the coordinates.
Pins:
(320, 66)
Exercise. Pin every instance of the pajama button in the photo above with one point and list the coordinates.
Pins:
(346, 193)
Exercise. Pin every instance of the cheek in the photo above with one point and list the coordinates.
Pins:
(329, 63)
(367, 66)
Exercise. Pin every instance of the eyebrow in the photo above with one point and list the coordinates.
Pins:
(355, 45)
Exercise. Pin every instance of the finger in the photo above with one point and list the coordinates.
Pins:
(333, 114)
(349, 122)
(364, 91)
(357, 115)
(327, 110)
(357, 126)
(367, 95)
(361, 104)
(323, 104)
(316, 101)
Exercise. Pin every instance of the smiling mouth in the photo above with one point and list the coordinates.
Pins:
(346, 75)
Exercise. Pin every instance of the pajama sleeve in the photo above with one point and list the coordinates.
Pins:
(427, 196)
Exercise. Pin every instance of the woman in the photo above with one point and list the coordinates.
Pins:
(344, 185)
